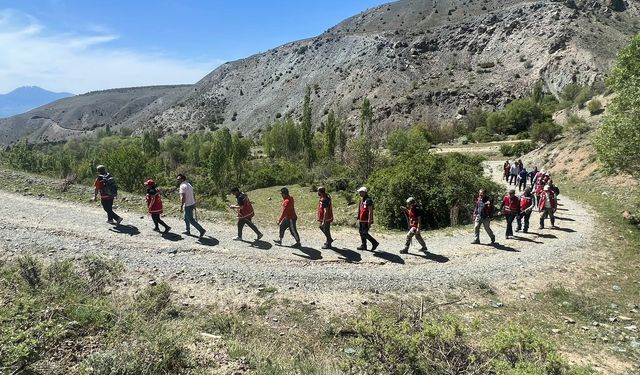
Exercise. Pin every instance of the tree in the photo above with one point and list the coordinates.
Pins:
(150, 143)
(545, 131)
(366, 119)
(618, 140)
(537, 94)
(241, 151)
(307, 129)
(342, 139)
(330, 135)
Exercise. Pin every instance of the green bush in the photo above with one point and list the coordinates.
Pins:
(594, 106)
(445, 186)
(272, 172)
(545, 131)
(518, 149)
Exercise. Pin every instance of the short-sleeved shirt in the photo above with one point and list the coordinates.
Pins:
(415, 214)
(246, 208)
(288, 209)
(325, 203)
(366, 205)
(187, 190)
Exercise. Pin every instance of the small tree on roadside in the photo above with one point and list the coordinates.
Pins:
(307, 129)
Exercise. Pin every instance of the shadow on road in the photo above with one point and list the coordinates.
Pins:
(311, 254)
(262, 245)
(172, 237)
(348, 255)
(548, 236)
(431, 256)
(564, 218)
(388, 257)
(126, 229)
(566, 230)
(208, 241)
(525, 239)
(499, 246)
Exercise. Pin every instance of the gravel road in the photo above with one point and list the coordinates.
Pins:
(60, 229)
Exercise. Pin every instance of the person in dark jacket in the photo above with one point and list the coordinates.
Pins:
(365, 219)
(154, 205)
(244, 210)
(522, 179)
(325, 216)
(414, 216)
(482, 217)
(510, 208)
(102, 185)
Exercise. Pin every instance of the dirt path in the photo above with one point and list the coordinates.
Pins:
(60, 229)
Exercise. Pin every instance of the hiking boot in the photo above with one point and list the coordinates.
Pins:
(493, 240)
(361, 247)
(119, 220)
(259, 236)
(110, 221)
(202, 233)
(404, 250)
(237, 238)
(326, 246)
(156, 229)
(166, 230)
(297, 245)
(475, 242)
(277, 242)
(375, 246)
(424, 250)
(525, 231)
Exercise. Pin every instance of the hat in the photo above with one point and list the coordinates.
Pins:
(362, 189)
(150, 182)
(101, 168)
(546, 187)
(411, 200)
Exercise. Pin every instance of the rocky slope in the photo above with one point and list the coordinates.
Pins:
(416, 60)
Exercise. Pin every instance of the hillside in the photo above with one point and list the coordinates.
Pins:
(418, 61)
(27, 98)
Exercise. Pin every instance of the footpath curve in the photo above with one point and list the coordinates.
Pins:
(61, 229)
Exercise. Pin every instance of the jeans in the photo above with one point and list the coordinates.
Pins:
(526, 217)
(364, 234)
(509, 218)
(157, 220)
(107, 205)
(247, 221)
(291, 225)
(326, 229)
(522, 184)
(486, 223)
(190, 220)
(547, 212)
(413, 232)
(512, 179)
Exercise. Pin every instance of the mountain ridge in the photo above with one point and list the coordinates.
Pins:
(25, 98)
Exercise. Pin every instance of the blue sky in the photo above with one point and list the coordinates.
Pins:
(80, 46)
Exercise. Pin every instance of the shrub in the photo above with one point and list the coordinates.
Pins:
(577, 124)
(517, 149)
(266, 173)
(594, 107)
(545, 131)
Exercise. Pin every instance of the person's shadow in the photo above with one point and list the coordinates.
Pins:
(393, 258)
(502, 247)
(208, 241)
(431, 256)
(131, 230)
(172, 237)
(548, 236)
(309, 253)
(564, 218)
(525, 239)
(262, 245)
(566, 230)
(349, 255)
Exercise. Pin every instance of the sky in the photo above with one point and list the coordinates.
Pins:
(85, 45)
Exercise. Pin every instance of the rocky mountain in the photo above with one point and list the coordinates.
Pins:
(416, 60)
(27, 98)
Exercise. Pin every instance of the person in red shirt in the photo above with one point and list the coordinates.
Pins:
(288, 218)
(365, 219)
(154, 205)
(325, 216)
(244, 209)
(510, 209)
(547, 205)
(482, 217)
(103, 186)
(526, 207)
(414, 216)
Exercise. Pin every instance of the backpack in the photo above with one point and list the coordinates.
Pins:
(110, 186)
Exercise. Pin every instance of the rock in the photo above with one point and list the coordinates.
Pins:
(556, 331)
(627, 215)
(210, 336)
(568, 320)
(617, 5)
(633, 328)
(625, 318)
(153, 283)
(346, 331)
(616, 288)
(349, 350)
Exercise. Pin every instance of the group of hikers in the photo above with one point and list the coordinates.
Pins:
(544, 197)
(514, 208)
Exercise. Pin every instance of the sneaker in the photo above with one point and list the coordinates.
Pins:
(326, 246)
(475, 242)
(424, 250)
(297, 244)
(518, 230)
(156, 229)
(237, 238)
(167, 229)
(118, 221)
(361, 247)
(110, 221)
(404, 251)
(525, 231)
(278, 242)
(375, 246)
(259, 236)
(493, 240)
(202, 233)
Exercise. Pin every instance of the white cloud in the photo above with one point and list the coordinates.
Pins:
(81, 63)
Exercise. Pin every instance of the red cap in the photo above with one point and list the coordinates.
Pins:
(150, 182)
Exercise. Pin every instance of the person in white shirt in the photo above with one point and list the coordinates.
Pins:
(188, 205)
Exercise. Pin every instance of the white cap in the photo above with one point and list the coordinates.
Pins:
(411, 199)
(546, 187)
(362, 189)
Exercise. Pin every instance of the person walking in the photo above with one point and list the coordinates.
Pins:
(506, 168)
(325, 216)
(510, 208)
(365, 219)
(482, 217)
(532, 175)
(244, 210)
(547, 206)
(288, 218)
(513, 174)
(414, 215)
(105, 185)
(154, 205)
(526, 207)
(188, 206)
(522, 179)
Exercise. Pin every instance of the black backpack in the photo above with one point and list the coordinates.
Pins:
(110, 186)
